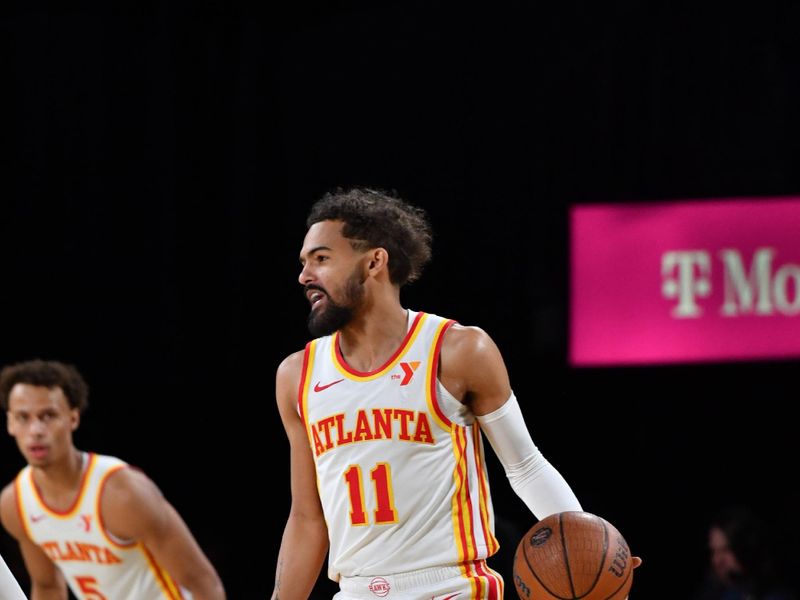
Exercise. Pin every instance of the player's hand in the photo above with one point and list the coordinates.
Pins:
(636, 562)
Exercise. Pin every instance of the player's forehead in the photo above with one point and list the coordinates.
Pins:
(324, 235)
(26, 397)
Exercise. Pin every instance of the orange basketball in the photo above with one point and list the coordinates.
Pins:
(570, 556)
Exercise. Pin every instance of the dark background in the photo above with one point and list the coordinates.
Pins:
(159, 160)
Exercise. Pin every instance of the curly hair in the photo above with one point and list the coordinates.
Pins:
(378, 219)
(46, 373)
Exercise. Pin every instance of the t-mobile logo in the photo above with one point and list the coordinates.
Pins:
(686, 275)
(760, 288)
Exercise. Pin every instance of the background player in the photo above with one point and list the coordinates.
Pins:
(83, 519)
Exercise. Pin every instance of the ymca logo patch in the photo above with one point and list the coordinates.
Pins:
(85, 523)
(408, 371)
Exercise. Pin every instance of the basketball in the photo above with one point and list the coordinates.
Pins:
(573, 555)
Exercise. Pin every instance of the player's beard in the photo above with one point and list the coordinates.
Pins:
(334, 316)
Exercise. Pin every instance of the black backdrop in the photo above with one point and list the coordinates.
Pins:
(159, 159)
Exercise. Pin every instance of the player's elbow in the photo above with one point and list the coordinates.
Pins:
(51, 588)
(204, 584)
(308, 515)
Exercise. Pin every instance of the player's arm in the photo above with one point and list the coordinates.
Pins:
(47, 582)
(305, 536)
(473, 369)
(133, 508)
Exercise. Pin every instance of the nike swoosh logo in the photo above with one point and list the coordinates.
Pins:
(37, 518)
(319, 388)
(451, 596)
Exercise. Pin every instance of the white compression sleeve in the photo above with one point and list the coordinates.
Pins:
(9, 588)
(532, 477)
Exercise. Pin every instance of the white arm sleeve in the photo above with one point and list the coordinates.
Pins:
(9, 588)
(532, 477)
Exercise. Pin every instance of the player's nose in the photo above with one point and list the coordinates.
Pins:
(37, 427)
(306, 275)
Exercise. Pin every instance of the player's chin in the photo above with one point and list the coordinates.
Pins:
(36, 462)
(316, 310)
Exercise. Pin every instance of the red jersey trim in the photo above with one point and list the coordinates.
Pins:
(169, 588)
(341, 364)
(305, 383)
(302, 387)
(72, 510)
(433, 377)
(20, 508)
(100, 522)
(483, 493)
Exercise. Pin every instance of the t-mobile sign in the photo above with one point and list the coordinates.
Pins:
(685, 281)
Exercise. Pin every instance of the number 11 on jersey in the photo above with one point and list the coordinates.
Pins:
(381, 476)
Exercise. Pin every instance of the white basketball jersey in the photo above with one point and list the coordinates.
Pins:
(95, 565)
(400, 464)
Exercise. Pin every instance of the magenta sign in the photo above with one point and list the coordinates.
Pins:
(687, 281)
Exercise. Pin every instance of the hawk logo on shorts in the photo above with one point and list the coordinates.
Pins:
(379, 586)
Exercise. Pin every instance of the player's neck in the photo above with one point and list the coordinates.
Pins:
(372, 338)
(61, 477)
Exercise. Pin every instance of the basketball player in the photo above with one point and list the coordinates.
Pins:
(384, 412)
(85, 520)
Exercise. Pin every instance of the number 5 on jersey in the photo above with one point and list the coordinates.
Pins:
(381, 477)
(88, 585)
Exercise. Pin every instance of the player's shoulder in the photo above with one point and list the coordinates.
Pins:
(467, 349)
(466, 339)
(126, 486)
(8, 495)
(288, 377)
(290, 368)
(9, 513)
(456, 333)
(107, 462)
(293, 361)
(131, 501)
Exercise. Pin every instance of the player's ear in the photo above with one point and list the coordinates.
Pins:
(74, 418)
(378, 259)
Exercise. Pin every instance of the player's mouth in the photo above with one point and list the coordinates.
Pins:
(315, 296)
(38, 451)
